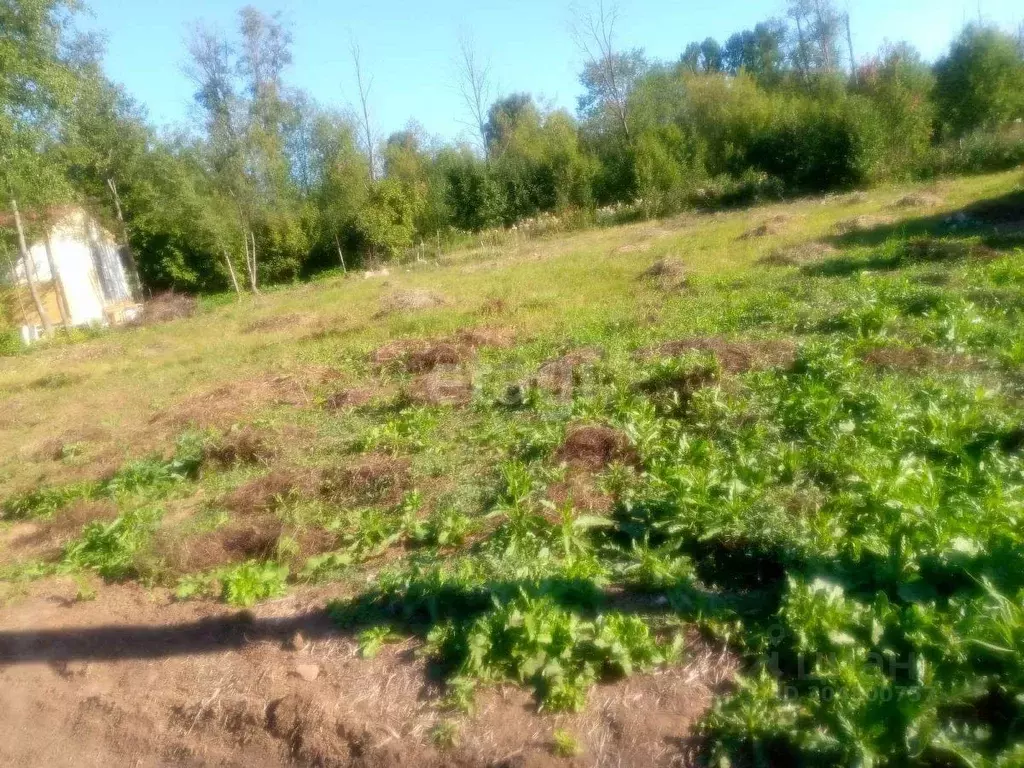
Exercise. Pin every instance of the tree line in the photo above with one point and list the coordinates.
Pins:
(269, 185)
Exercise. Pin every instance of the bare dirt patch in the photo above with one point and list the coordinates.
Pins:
(133, 678)
(580, 489)
(45, 539)
(412, 300)
(805, 253)
(733, 356)
(374, 478)
(594, 447)
(165, 307)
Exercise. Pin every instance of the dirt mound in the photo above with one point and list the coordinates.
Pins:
(245, 445)
(805, 253)
(165, 307)
(919, 359)
(560, 376)
(732, 356)
(917, 200)
(413, 300)
(375, 478)
(775, 225)
(862, 224)
(594, 448)
(419, 356)
(668, 273)
(265, 494)
(444, 386)
(347, 399)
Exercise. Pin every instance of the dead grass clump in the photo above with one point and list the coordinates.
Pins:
(241, 446)
(862, 224)
(560, 376)
(641, 247)
(477, 338)
(595, 447)
(226, 404)
(580, 490)
(412, 300)
(493, 306)
(372, 479)
(668, 273)
(924, 249)
(444, 386)
(265, 494)
(917, 200)
(45, 540)
(805, 253)
(917, 359)
(674, 393)
(347, 399)
(254, 538)
(274, 323)
(775, 225)
(418, 356)
(165, 307)
(733, 356)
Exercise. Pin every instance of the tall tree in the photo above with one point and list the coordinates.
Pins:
(473, 79)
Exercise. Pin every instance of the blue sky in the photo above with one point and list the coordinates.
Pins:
(409, 46)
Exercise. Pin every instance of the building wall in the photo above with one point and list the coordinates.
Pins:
(89, 268)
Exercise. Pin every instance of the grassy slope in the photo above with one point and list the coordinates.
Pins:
(812, 455)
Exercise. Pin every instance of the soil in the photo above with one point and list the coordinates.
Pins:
(348, 399)
(595, 448)
(134, 678)
(733, 356)
(265, 494)
(580, 488)
(420, 356)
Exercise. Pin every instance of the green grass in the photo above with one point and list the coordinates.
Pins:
(846, 513)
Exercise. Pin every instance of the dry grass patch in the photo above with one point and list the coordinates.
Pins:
(919, 360)
(733, 356)
(594, 447)
(799, 255)
(374, 478)
(917, 200)
(560, 376)
(443, 386)
(770, 227)
(667, 274)
(165, 307)
(863, 224)
(412, 300)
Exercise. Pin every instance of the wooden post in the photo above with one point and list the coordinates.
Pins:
(58, 284)
(26, 259)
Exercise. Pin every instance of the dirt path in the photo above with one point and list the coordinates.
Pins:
(133, 678)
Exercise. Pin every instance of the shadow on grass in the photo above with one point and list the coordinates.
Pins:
(998, 224)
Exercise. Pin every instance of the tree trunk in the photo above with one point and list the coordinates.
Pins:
(133, 278)
(849, 43)
(341, 255)
(26, 259)
(231, 272)
(58, 284)
(252, 267)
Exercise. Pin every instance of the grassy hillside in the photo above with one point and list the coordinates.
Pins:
(795, 429)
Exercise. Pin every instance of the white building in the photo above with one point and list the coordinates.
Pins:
(93, 284)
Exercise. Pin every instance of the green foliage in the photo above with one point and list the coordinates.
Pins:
(248, 583)
(111, 549)
(566, 744)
